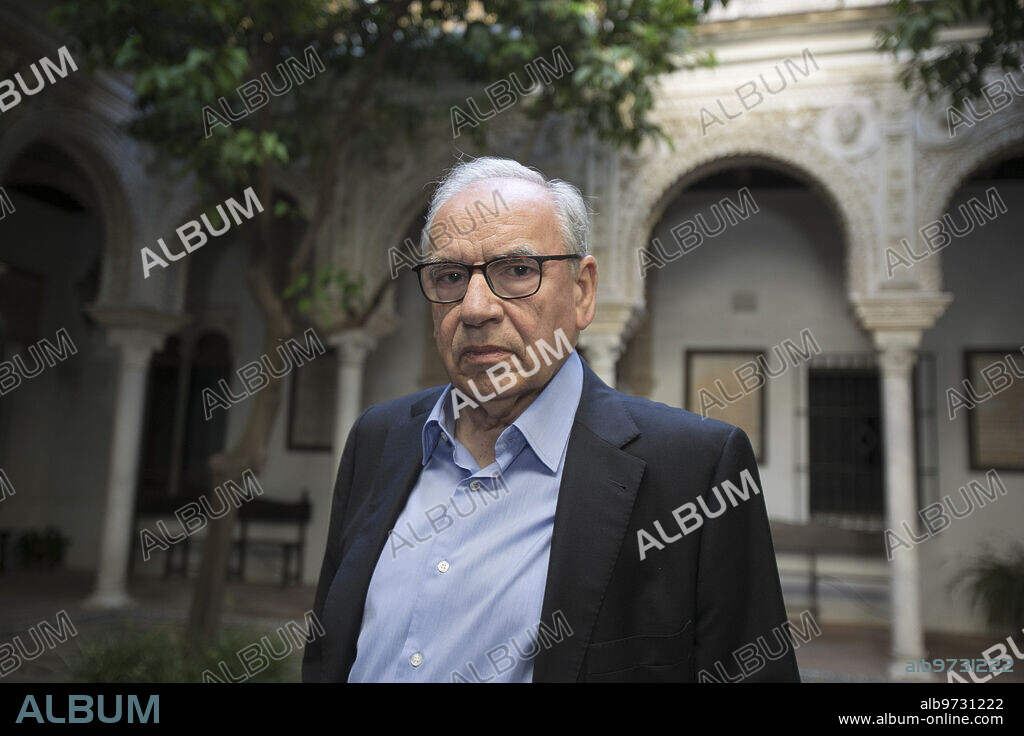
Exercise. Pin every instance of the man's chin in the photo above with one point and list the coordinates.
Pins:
(487, 389)
(475, 368)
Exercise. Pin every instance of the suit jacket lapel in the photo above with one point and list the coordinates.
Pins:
(595, 501)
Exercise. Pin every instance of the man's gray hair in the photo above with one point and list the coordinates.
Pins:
(570, 207)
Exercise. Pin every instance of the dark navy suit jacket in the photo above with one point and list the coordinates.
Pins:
(709, 601)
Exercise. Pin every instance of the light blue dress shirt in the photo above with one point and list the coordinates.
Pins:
(457, 591)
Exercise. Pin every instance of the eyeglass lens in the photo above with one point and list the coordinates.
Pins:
(509, 278)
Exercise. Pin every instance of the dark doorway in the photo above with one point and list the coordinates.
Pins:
(156, 453)
(178, 440)
(211, 362)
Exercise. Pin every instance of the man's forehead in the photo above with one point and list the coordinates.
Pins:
(485, 196)
(510, 216)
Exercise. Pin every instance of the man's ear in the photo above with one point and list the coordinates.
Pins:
(585, 292)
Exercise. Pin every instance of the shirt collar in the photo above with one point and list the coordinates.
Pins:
(545, 424)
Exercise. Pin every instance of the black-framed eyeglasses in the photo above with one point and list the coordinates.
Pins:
(510, 277)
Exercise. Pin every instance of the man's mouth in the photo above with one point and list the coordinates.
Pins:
(485, 353)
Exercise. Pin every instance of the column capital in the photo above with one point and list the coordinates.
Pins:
(897, 349)
(135, 340)
(897, 360)
(144, 319)
(614, 318)
(602, 346)
(353, 345)
(900, 310)
(603, 351)
(138, 332)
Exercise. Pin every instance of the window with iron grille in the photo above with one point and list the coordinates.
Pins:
(845, 468)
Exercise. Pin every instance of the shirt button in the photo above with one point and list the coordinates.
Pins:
(443, 566)
(416, 660)
(474, 486)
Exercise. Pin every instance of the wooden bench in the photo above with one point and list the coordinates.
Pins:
(264, 511)
(817, 538)
(256, 511)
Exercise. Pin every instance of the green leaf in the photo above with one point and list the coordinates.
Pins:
(128, 51)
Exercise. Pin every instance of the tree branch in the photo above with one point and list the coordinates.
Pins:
(327, 181)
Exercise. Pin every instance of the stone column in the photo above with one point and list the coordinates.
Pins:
(604, 338)
(898, 354)
(897, 320)
(353, 347)
(135, 347)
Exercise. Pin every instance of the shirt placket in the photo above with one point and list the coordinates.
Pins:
(437, 566)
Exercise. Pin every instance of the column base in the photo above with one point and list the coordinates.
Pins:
(107, 601)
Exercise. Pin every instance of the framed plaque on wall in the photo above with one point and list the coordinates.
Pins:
(713, 389)
(995, 424)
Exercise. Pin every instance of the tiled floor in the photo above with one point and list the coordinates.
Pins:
(840, 654)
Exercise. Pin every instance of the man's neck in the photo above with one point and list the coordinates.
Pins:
(478, 429)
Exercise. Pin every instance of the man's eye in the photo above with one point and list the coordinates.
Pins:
(518, 270)
(449, 276)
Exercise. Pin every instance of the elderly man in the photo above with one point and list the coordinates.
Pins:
(527, 522)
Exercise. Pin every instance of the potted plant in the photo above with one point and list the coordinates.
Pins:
(995, 585)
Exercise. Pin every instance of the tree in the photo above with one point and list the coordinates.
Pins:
(958, 69)
(185, 57)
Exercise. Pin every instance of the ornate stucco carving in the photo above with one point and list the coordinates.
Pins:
(649, 185)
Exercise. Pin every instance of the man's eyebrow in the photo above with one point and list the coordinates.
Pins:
(515, 251)
(521, 250)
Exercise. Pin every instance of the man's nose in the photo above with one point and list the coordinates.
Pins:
(480, 303)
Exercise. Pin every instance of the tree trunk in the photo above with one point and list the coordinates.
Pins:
(249, 453)
(251, 450)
